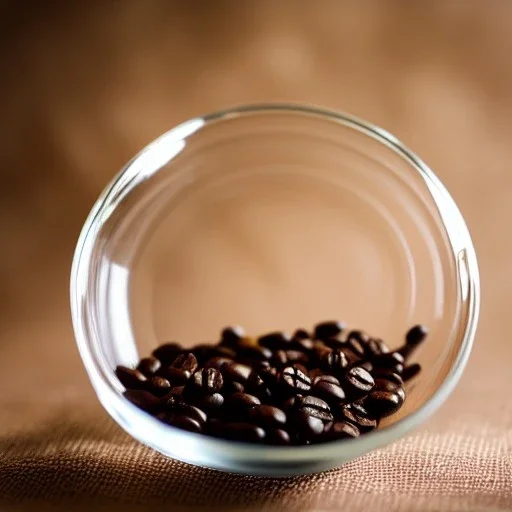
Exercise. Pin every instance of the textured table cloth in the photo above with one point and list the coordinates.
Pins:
(83, 88)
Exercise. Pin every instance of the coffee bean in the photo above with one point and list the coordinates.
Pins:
(179, 408)
(334, 361)
(359, 336)
(301, 334)
(411, 371)
(275, 340)
(375, 347)
(324, 378)
(358, 416)
(367, 365)
(159, 386)
(208, 403)
(143, 399)
(231, 387)
(186, 362)
(217, 362)
(130, 378)
(249, 352)
(294, 380)
(277, 437)
(287, 357)
(303, 345)
(384, 385)
(185, 423)
(341, 430)
(383, 403)
(149, 366)
(393, 361)
(238, 401)
(207, 380)
(387, 379)
(357, 382)
(230, 336)
(356, 347)
(327, 330)
(307, 427)
(176, 376)
(257, 386)
(245, 432)
(414, 337)
(235, 372)
(267, 416)
(328, 390)
(167, 353)
(315, 407)
(177, 393)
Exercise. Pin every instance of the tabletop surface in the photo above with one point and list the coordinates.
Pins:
(84, 88)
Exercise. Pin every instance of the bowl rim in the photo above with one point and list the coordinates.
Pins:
(243, 457)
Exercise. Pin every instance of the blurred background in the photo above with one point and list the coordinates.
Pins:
(86, 85)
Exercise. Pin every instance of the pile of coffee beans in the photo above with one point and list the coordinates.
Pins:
(277, 389)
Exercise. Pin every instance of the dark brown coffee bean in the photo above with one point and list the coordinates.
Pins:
(414, 337)
(380, 404)
(238, 401)
(185, 423)
(186, 362)
(176, 376)
(173, 407)
(341, 430)
(359, 336)
(324, 378)
(335, 343)
(315, 407)
(275, 340)
(327, 330)
(149, 366)
(257, 386)
(294, 380)
(303, 345)
(253, 354)
(359, 416)
(357, 382)
(232, 387)
(356, 347)
(143, 399)
(267, 416)
(411, 371)
(301, 334)
(367, 365)
(307, 427)
(207, 380)
(288, 357)
(230, 336)
(177, 393)
(384, 385)
(244, 432)
(236, 372)
(277, 437)
(130, 378)
(217, 362)
(208, 403)
(167, 353)
(393, 361)
(159, 386)
(334, 361)
(325, 388)
(375, 347)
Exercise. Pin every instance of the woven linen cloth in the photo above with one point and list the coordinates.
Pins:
(85, 86)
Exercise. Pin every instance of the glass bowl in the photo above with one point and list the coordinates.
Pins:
(273, 217)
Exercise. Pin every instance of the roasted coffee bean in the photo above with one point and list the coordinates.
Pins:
(176, 376)
(356, 347)
(367, 365)
(324, 378)
(358, 416)
(230, 336)
(177, 393)
(143, 399)
(277, 437)
(393, 361)
(257, 386)
(235, 372)
(159, 386)
(325, 388)
(334, 361)
(275, 340)
(384, 385)
(327, 330)
(203, 352)
(185, 423)
(341, 430)
(307, 427)
(315, 407)
(232, 387)
(335, 343)
(414, 337)
(294, 380)
(167, 353)
(267, 416)
(149, 366)
(303, 345)
(383, 403)
(186, 362)
(180, 408)
(357, 382)
(375, 347)
(217, 362)
(301, 334)
(287, 357)
(411, 371)
(245, 432)
(253, 354)
(208, 403)
(359, 336)
(241, 401)
(207, 380)
(130, 378)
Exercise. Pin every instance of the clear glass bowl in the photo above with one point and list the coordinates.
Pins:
(273, 217)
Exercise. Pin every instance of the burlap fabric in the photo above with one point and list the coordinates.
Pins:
(84, 87)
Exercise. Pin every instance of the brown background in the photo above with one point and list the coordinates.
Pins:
(85, 86)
